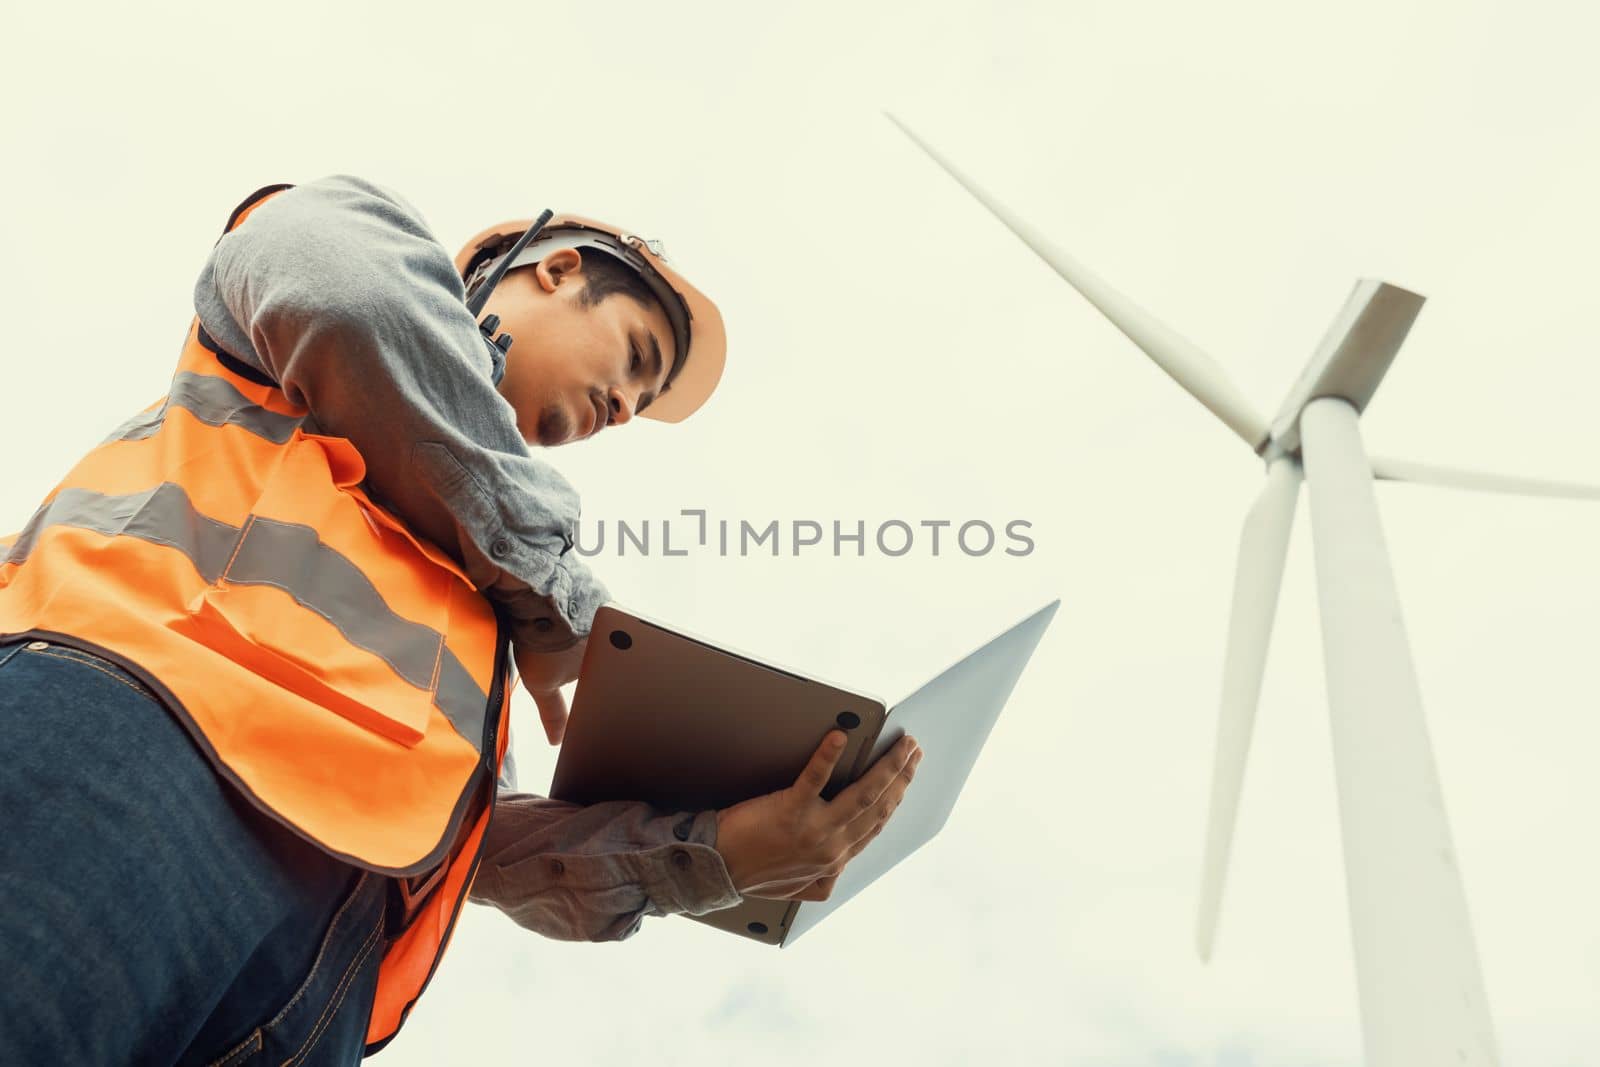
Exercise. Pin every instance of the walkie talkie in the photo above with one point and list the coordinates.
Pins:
(500, 345)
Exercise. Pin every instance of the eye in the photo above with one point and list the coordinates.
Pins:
(635, 359)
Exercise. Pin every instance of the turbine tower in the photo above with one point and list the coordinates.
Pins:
(1420, 985)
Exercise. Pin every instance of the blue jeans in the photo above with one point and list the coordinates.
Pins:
(148, 913)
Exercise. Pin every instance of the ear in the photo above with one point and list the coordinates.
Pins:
(557, 267)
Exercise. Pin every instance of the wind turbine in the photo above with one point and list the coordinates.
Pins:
(1420, 985)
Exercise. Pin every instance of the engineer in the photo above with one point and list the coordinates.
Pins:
(256, 647)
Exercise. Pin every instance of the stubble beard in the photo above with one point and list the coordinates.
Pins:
(553, 427)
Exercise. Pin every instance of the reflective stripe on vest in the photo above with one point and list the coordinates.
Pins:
(285, 556)
(215, 402)
(342, 672)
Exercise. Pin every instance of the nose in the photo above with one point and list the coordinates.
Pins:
(621, 406)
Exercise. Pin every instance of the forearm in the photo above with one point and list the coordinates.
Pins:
(593, 873)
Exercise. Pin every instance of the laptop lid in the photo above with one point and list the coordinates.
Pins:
(951, 717)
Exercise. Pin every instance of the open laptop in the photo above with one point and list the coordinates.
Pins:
(681, 723)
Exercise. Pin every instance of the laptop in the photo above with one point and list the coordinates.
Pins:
(685, 724)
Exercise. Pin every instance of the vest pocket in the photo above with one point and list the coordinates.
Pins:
(341, 610)
(267, 633)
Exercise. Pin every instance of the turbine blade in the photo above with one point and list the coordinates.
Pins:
(1263, 547)
(1191, 368)
(1399, 470)
(1421, 988)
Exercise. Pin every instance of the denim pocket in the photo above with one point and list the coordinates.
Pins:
(325, 1021)
(69, 654)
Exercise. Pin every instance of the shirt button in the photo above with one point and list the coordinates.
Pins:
(500, 549)
(681, 859)
(682, 830)
(542, 624)
(572, 607)
(558, 868)
(38, 646)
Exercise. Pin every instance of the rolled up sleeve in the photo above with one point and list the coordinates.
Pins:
(595, 872)
(338, 291)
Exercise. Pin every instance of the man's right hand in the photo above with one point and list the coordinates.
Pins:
(792, 844)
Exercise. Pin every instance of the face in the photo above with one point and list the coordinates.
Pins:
(574, 370)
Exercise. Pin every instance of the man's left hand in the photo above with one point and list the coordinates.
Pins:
(543, 674)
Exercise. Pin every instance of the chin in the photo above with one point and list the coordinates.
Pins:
(554, 427)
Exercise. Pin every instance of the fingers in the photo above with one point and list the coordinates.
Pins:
(866, 825)
(542, 671)
(861, 797)
(816, 889)
(819, 769)
(821, 889)
(860, 846)
(822, 837)
(553, 711)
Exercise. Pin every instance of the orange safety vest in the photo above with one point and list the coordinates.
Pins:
(341, 671)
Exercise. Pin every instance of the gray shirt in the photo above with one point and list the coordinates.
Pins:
(338, 291)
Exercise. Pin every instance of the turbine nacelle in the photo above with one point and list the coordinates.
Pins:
(1352, 359)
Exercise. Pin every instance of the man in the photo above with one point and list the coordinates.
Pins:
(253, 689)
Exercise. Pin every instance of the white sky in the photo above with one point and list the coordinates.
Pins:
(896, 354)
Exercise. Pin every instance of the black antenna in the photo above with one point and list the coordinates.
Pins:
(480, 296)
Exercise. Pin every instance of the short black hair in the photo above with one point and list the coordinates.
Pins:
(603, 276)
(606, 274)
